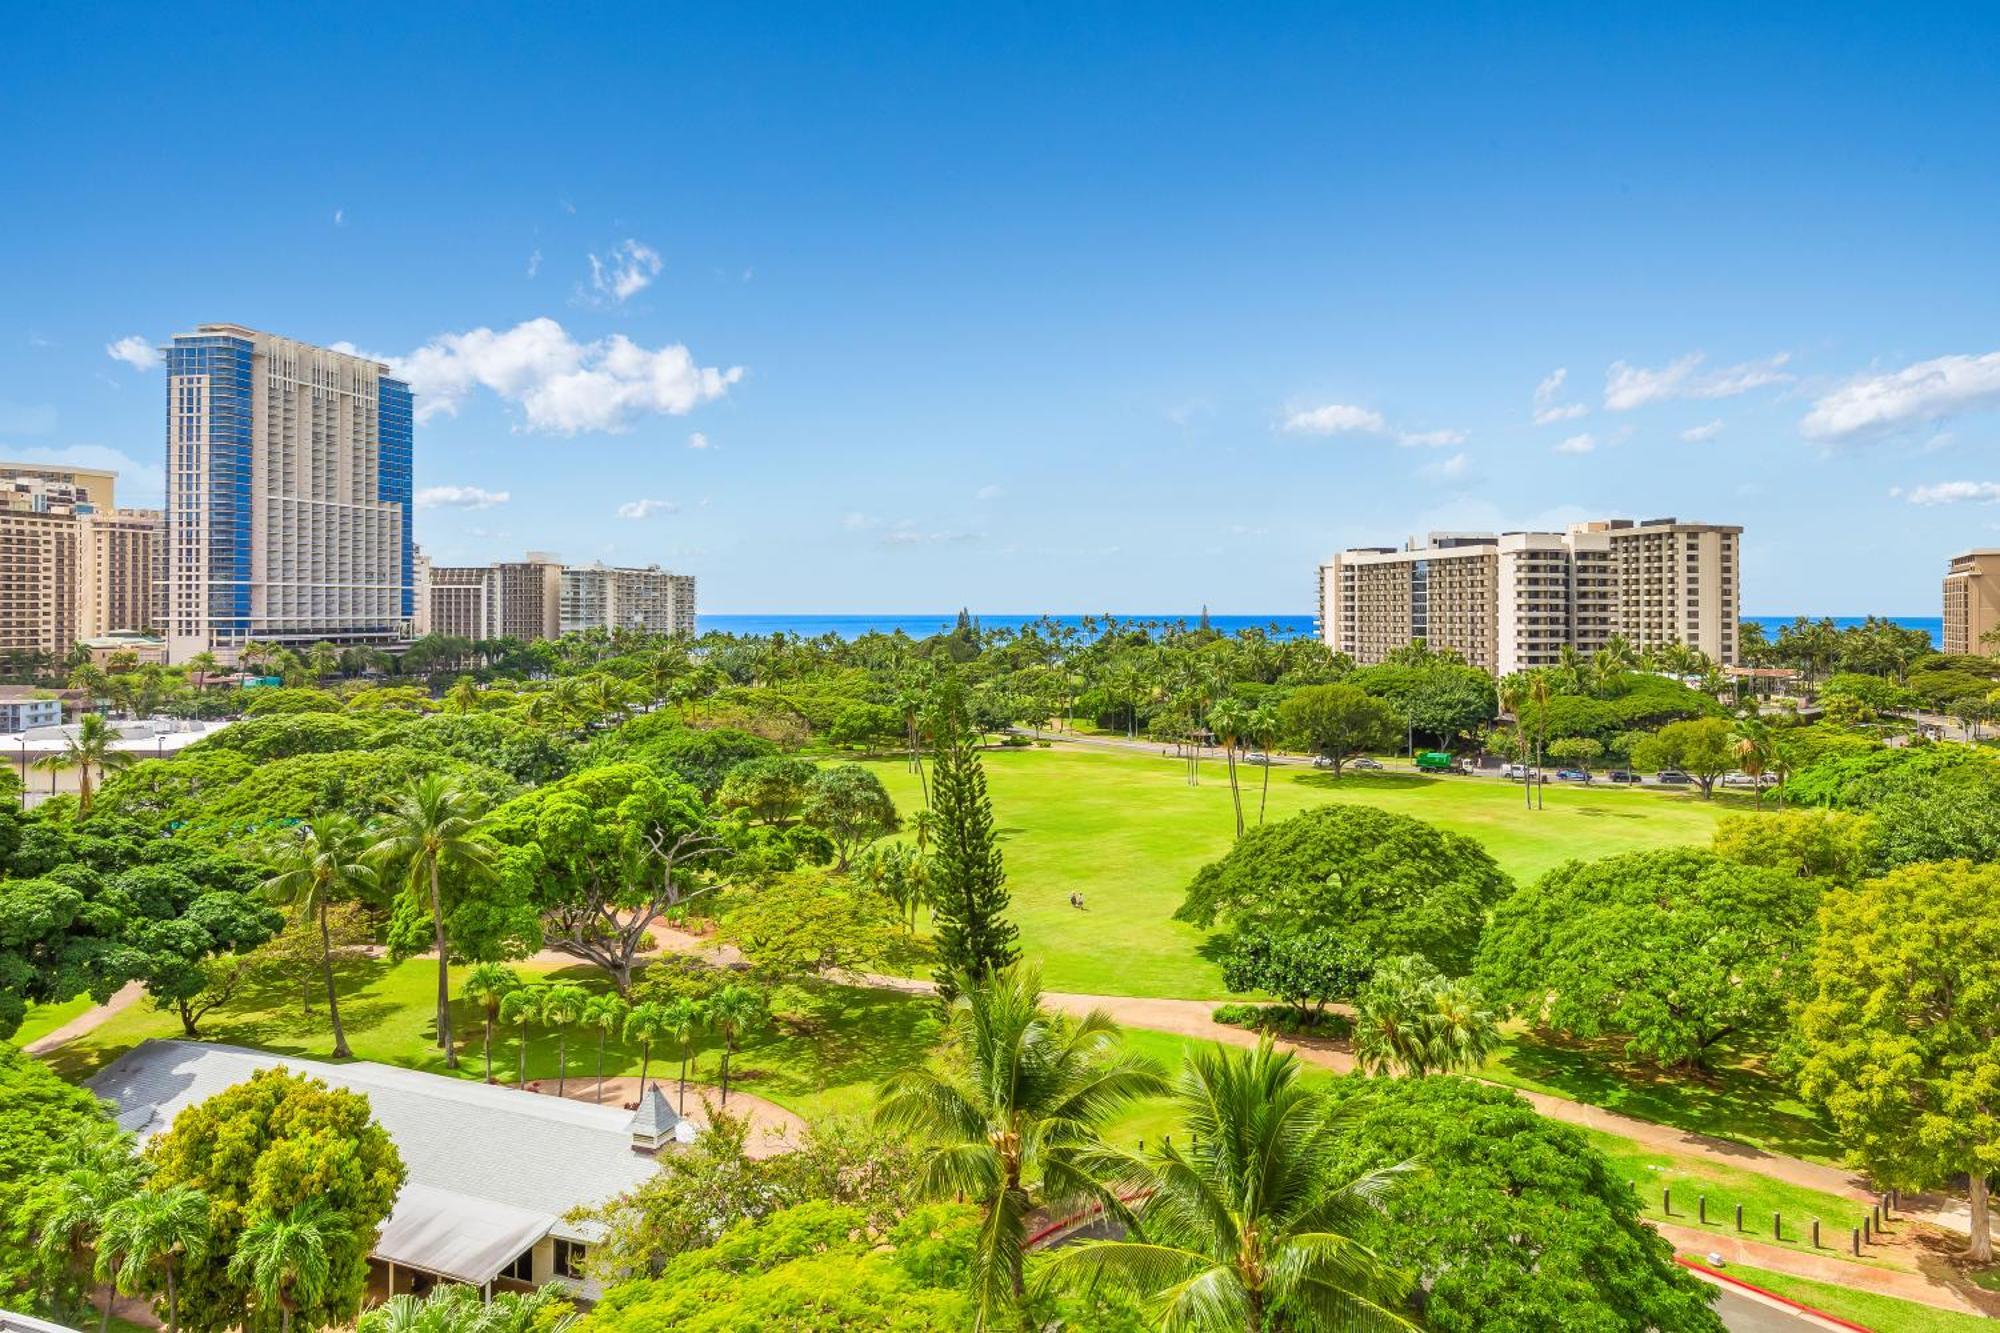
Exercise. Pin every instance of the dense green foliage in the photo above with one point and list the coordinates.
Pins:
(40, 1115)
(1673, 951)
(967, 879)
(1387, 884)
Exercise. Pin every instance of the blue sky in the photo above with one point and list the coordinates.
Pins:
(1137, 307)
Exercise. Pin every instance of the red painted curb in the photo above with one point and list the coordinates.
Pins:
(1771, 1295)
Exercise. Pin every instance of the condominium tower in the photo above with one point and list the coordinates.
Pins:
(623, 597)
(73, 565)
(1511, 601)
(288, 495)
(541, 598)
(1972, 602)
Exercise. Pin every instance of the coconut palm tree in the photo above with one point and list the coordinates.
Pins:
(463, 696)
(520, 1007)
(646, 1024)
(1514, 703)
(562, 1009)
(1245, 1228)
(729, 1013)
(486, 986)
(1230, 720)
(327, 863)
(65, 1213)
(89, 747)
(435, 831)
(681, 1023)
(456, 1308)
(1538, 696)
(606, 1013)
(1753, 743)
(287, 1258)
(1014, 1111)
(1264, 731)
(150, 1233)
(1411, 1019)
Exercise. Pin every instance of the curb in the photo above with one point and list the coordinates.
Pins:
(1718, 1275)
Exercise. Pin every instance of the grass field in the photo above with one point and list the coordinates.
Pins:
(1884, 1314)
(1127, 832)
(43, 1019)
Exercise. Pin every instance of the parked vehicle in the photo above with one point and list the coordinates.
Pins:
(1622, 775)
(1572, 775)
(1672, 777)
(1259, 757)
(1522, 773)
(1366, 763)
(1322, 762)
(1745, 780)
(1436, 761)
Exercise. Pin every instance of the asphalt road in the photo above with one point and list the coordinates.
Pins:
(1745, 1314)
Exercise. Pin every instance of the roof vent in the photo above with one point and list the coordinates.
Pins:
(655, 1124)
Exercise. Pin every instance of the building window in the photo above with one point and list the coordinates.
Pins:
(523, 1267)
(569, 1259)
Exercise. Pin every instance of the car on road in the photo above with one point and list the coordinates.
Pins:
(1745, 780)
(1522, 773)
(1256, 758)
(1366, 763)
(1572, 775)
(1672, 777)
(1622, 775)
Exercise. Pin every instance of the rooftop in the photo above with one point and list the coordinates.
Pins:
(491, 1169)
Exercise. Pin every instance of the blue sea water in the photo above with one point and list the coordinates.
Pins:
(1287, 626)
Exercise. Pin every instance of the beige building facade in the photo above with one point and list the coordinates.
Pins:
(72, 565)
(1512, 601)
(1972, 602)
(651, 599)
(541, 598)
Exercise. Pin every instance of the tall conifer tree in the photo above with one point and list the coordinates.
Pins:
(968, 882)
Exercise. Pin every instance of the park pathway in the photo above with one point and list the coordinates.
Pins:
(87, 1021)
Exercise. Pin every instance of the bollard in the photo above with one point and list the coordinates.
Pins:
(1876, 1214)
(1739, 1217)
(1857, 1242)
(1777, 1227)
(1701, 1208)
(1667, 1200)
(1885, 1206)
(1815, 1233)
(1867, 1236)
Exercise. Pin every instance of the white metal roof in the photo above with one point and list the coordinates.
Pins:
(482, 1159)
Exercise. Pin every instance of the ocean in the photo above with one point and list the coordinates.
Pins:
(1287, 626)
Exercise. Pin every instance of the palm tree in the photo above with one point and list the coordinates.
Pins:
(88, 748)
(1017, 1108)
(681, 1023)
(1246, 1228)
(322, 660)
(1514, 703)
(453, 1307)
(287, 1258)
(1538, 695)
(1412, 1019)
(1753, 743)
(562, 1008)
(646, 1024)
(201, 666)
(486, 986)
(522, 1006)
(1264, 731)
(433, 830)
(66, 1214)
(1231, 721)
(606, 1013)
(731, 1012)
(463, 696)
(326, 864)
(151, 1232)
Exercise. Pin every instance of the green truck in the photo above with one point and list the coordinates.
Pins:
(1436, 761)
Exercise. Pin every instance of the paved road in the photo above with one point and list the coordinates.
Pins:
(1744, 1313)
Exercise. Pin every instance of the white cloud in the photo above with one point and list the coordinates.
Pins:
(1871, 405)
(340, 217)
(135, 352)
(1578, 444)
(907, 532)
(1432, 439)
(1952, 492)
(534, 263)
(989, 492)
(1547, 409)
(1703, 433)
(628, 270)
(459, 497)
(1334, 419)
(855, 521)
(647, 508)
(561, 385)
(1627, 386)
(1448, 469)
(699, 441)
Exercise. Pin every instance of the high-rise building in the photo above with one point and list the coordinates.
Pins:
(72, 564)
(288, 495)
(1511, 601)
(515, 599)
(1972, 602)
(651, 599)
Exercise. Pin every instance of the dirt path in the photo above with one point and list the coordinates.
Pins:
(87, 1021)
(773, 1129)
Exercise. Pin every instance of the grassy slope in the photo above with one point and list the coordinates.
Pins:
(1884, 1314)
(1129, 833)
(43, 1019)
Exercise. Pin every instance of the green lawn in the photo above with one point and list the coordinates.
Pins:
(1127, 832)
(1884, 1314)
(831, 1062)
(1740, 1101)
(42, 1019)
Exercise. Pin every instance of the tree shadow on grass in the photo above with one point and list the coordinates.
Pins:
(1365, 781)
(1730, 1109)
(843, 1035)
